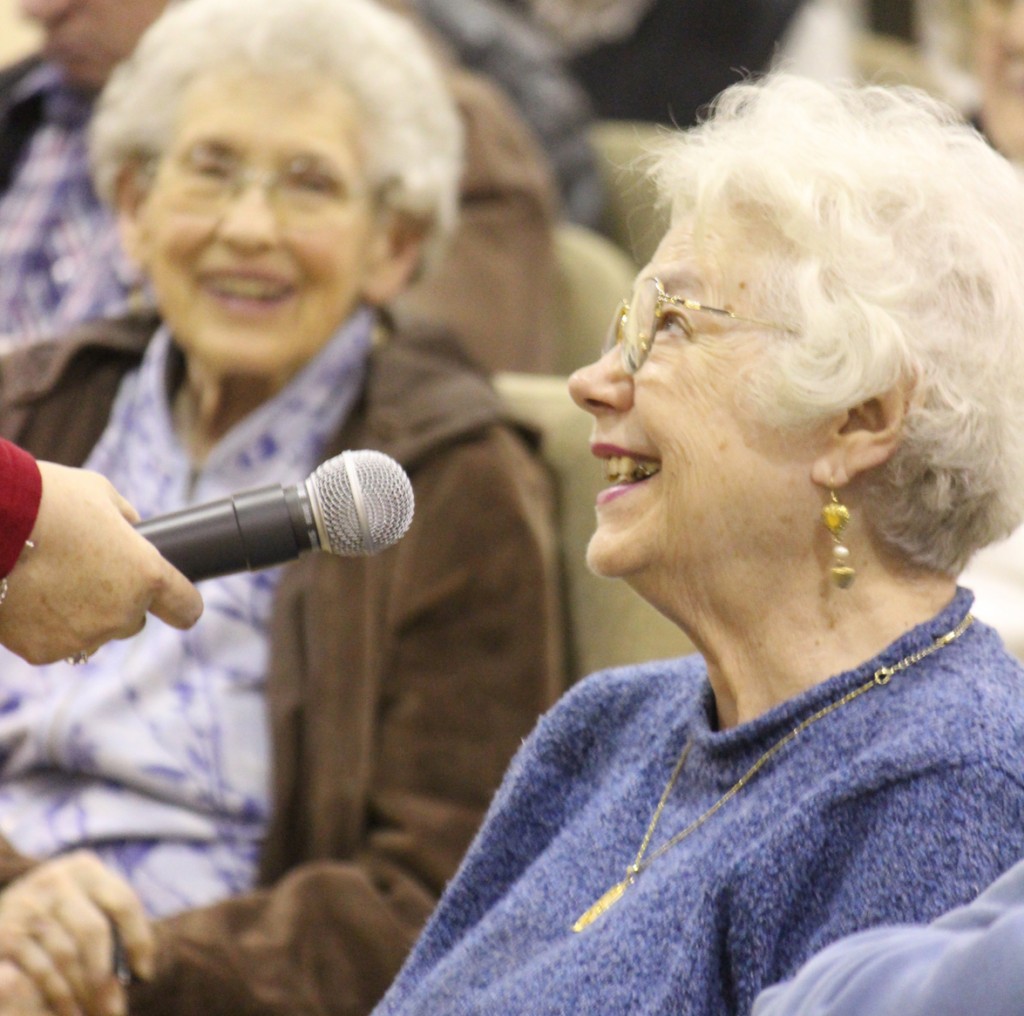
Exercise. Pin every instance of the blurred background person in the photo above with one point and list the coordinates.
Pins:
(62, 257)
(62, 260)
(291, 784)
(810, 413)
(496, 40)
(969, 52)
(662, 60)
(997, 45)
(998, 48)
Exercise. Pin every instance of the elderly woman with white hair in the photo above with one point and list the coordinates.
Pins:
(261, 813)
(811, 413)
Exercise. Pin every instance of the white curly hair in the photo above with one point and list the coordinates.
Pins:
(412, 129)
(892, 240)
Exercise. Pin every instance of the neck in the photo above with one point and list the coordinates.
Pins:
(760, 653)
(207, 405)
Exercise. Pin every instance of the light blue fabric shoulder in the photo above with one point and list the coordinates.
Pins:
(971, 961)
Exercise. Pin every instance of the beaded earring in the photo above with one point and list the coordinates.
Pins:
(836, 515)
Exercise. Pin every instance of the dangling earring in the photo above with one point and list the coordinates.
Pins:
(836, 515)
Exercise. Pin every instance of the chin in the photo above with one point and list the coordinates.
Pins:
(607, 558)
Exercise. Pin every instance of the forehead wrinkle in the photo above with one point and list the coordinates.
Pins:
(328, 127)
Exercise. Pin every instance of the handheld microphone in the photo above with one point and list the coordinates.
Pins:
(355, 504)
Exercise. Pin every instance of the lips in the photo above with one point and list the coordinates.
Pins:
(1011, 67)
(1013, 71)
(249, 287)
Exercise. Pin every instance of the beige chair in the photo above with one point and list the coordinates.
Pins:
(593, 276)
(607, 622)
(631, 216)
(883, 60)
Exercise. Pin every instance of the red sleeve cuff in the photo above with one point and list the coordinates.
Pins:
(21, 488)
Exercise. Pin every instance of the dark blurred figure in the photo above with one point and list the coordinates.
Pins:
(489, 37)
(662, 60)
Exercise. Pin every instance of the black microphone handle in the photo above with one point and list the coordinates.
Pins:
(248, 531)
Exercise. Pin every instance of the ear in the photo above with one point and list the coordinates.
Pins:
(862, 438)
(130, 192)
(394, 257)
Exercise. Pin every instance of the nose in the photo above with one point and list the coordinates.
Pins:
(603, 386)
(249, 218)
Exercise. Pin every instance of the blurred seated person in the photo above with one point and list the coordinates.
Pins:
(662, 60)
(63, 262)
(810, 412)
(997, 573)
(289, 785)
(493, 39)
(998, 48)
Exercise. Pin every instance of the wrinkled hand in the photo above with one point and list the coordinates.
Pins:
(90, 577)
(56, 929)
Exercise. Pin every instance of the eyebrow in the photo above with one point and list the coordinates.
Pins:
(679, 283)
(242, 148)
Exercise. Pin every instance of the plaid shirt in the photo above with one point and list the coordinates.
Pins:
(59, 250)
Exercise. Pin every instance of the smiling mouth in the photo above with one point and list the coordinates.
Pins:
(248, 288)
(619, 469)
(1013, 70)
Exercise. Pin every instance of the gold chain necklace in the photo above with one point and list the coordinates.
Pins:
(642, 862)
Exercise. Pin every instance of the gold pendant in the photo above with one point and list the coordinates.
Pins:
(606, 902)
(836, 517)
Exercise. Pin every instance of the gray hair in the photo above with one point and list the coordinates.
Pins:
(412, 130)
(892, 240)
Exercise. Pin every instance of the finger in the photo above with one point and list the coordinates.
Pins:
(65, 906)
(18, 993)
(133, 944)
(81, 947)
(176, 602)
(63, 951)
(88, 951)
(38, 966)
(163, 591)
(115, 914)
(123, 505)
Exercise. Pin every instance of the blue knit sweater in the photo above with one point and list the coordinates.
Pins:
(896, 807)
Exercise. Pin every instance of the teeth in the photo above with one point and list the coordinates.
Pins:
(625, 469)
(253, 289)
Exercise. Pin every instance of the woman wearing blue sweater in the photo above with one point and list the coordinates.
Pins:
(811, 413)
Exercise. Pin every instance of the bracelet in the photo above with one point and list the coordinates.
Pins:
(3, 581)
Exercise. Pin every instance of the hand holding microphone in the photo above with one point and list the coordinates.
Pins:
(86, 577)
(355, 504)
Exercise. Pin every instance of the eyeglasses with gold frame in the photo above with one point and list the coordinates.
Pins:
(638, 320)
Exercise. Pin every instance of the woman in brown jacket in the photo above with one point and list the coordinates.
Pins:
(280, 189)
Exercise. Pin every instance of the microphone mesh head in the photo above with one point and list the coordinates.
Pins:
(364, 483)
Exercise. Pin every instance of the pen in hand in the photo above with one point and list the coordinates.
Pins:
(122, 968)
